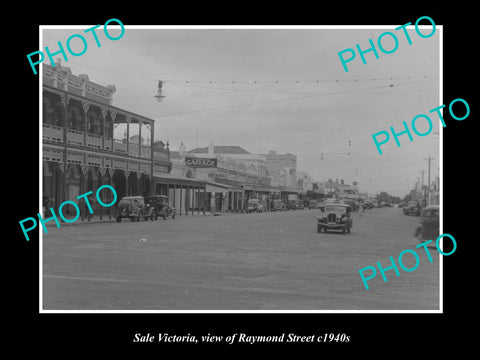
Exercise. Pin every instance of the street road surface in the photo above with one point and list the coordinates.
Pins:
(267, 261)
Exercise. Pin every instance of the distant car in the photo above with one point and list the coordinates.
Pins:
(412, 208)
(278, 205)
(254, 205)
(428, 228)
(312, 204)
(292, 205)
(335, 217)
(368, 205)
(328, 201)
(385, 204)
(134, 208)
(300, 205)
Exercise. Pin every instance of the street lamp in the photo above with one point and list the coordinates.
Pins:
(159, 95)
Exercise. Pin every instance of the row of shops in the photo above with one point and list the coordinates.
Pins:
(189, 195)
(83, 150)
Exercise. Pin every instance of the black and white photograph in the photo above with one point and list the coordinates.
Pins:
(241, 178)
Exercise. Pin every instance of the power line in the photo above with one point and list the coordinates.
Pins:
(250, 82)
(285, 99)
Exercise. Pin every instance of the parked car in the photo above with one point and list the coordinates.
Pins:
(300, 205)
(278, 205)
(385, 204)
(134, 208)
(412, 208)
(292, 205)
(353, 204)
(161, 206)
(368, 205)
(335, 217)
(429, 228)
(312, 204)
(328, 201)
(254, 205)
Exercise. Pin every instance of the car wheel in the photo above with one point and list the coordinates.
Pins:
(319, 228)
(119, 219)
(344, 230)
(152, 217)
(173, 217)
(133, 219)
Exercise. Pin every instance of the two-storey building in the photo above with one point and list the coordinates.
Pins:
(81, 149)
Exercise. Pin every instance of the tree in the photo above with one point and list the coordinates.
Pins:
(385, 197)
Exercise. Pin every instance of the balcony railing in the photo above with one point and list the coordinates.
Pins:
(108, 144)
(133, 150)
(94, 141)
(160, 155)
(75, 137)
(145, 151)
(119, 146)
(53, 133)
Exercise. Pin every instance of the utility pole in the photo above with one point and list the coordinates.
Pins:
(429, 161)
(417, 186)
(423, 192)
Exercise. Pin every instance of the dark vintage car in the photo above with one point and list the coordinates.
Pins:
(161, 206)
(135, 209)
(412, 208)
(254, 205)
(428, 229)
(300, 205)
(312, 204)
(335, 217)
(277, 205)
(292, 205)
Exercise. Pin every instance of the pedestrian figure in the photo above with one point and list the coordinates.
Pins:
(46, 201)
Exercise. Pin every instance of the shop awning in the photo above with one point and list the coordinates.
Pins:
(163, 178)
(218, 187)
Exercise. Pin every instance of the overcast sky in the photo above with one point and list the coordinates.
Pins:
(298, 114)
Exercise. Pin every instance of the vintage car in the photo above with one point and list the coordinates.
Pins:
(292, 205)
(300, 205)
(312, 204)
(335, 217)
(161, 206)
(278, 205)
(412, 208)
(134, 208)
(429, 223)
(254, 205)
(329, 201)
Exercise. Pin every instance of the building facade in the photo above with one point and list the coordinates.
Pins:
(80, 149)
(282, 169)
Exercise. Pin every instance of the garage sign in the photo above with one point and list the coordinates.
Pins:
(200, 162)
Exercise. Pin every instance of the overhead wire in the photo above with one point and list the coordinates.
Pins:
(285, 99)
